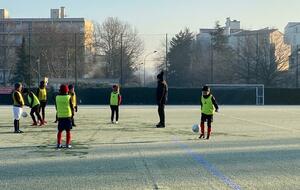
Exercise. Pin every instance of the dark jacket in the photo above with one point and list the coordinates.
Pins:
(161, 92)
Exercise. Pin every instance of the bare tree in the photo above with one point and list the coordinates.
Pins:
(121, 46)
(8, 58)
(262, 57)
(53, 52)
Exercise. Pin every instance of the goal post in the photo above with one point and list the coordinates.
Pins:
(255, 90)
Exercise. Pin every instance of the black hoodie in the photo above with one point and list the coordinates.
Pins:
(161, 92)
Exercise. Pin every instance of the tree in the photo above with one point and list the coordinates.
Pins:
(200, 64)
(179, 58)
(22, 71)
(8, 58)
(262, 57)
(221, 61)
(219, 40)
(121, 46)
(160, 59)
(55, 49)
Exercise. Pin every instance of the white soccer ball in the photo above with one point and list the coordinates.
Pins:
(24, 114)
(195, 128)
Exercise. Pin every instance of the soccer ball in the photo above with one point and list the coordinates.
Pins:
(24, 114)
(195, 128)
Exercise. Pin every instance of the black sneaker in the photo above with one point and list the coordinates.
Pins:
(18, 131)
(207, 138)
(58, 146)
(160, 126)
(68, 146)
(201, 136)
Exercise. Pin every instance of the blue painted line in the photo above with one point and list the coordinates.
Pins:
(208, 166)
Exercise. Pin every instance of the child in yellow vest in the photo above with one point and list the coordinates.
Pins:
(42, 95)
(18, 103)
(208, 107)
(74, 101)
(34, 104)
(115, 101)
(64, 108)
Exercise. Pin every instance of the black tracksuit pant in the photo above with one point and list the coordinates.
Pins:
(35, 110)
(42, 108)
(161, 113)
(114, 109)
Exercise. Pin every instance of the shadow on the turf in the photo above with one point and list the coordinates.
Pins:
(78, 150)
(6, 132)
(144, 142)
(166, 131)
(231, 134)
(5, 126)
(41, 130)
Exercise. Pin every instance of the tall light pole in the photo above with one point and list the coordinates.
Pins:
(39, 70)
(297, 66)
(167, 48)
(121, 60)
(145, 65)
(211, 62)
(140, 69)
(75, 59)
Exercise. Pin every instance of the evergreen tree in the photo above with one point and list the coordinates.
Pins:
(221, 61)
(218, 38)
(22, 70)
(179, 58)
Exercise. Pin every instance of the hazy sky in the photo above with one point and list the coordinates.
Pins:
(167, 16)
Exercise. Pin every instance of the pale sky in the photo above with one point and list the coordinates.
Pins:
(166, 16)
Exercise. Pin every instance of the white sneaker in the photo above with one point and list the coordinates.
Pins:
(117, 122)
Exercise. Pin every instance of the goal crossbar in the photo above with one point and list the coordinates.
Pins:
(259, 90)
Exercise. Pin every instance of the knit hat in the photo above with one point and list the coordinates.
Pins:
(71, 86)
(160, 76)
(25, 90)
(205, 88)
(64, 89)
(115, 87)
(42, 84)
(17, 85)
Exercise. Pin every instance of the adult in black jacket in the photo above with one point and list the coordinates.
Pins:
(161, 98)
